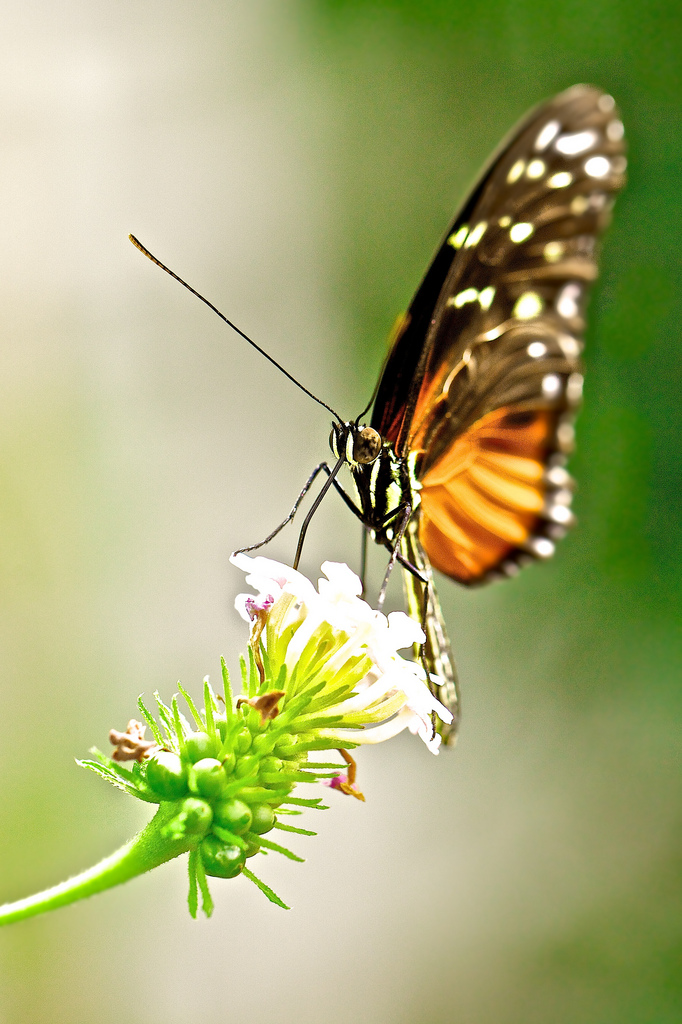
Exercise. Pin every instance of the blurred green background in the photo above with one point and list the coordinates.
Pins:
(299, 162)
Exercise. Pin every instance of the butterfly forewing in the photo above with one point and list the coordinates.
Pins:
(484, 374)
(491, 344)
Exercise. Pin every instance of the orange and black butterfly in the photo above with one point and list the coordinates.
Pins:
(462, 466)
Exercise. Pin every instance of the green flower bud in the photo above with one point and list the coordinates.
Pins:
(270, 765)
(245, 766)
(286, 744)
(207, 777)
(262, 744)
(221, 859)
(229, 761)
(254, 722)
(197, 815)
(252, 847)
(167, 775)
(221, 725)
(242, 741)
(199, 745)
(234, 815)
(263, 819)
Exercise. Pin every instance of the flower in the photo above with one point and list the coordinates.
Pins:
(330, 636)
(324, 673)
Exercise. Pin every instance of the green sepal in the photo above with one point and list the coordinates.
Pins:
(292, 828)
(315, 805)
(193, 894)
(209, 707)
(265, 889)
(151, 722)
(276, 848)
(206, 901)
(227, 689)
(178, 724)
(121, 778)
(166, 717)
(194, 711)
(228, 837)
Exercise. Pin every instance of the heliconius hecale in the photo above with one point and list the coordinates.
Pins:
(462, 466)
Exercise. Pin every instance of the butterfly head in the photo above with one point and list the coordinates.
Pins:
(359, 444)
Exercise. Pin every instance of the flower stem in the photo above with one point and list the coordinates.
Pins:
(153, 846)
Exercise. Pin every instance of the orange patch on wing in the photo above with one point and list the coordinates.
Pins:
(483, 497)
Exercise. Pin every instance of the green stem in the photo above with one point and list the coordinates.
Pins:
(153, 846)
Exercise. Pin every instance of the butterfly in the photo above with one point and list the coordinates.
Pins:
(462, 465)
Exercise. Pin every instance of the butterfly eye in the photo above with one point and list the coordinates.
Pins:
(366, 445)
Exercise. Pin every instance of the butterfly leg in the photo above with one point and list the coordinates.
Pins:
(363, 558)
(306, 487)
(406, 516)
(323, 467)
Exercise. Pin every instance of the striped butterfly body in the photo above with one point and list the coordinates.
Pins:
(462, 466)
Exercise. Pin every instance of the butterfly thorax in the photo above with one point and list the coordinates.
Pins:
(385, 483)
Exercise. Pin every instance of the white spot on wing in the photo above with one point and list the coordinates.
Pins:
(476, 234)
(516, 171)
(546, 135)
(551, 385)
(457, 239)
(570, 347)
(520, 232)
(615, 131)
(527, 306)
(536, 168)
(558, 477)
(486, 297)
(567, 301)
(553, 251)
(560, 180)
(461, 299)
(597, 166)
(574, 387)
(576, 142)
(565, 435)
(560, 514)
(536, 349)
(541, 546)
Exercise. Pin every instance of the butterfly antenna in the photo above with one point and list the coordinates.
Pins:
(146, 252)
(370, 403)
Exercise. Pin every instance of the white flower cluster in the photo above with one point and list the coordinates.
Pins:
(393, 694)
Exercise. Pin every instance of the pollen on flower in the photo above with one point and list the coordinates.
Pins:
(341, 783)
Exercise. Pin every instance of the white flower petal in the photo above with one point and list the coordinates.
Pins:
(340, 581)
(393, 683)
(404, 631)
